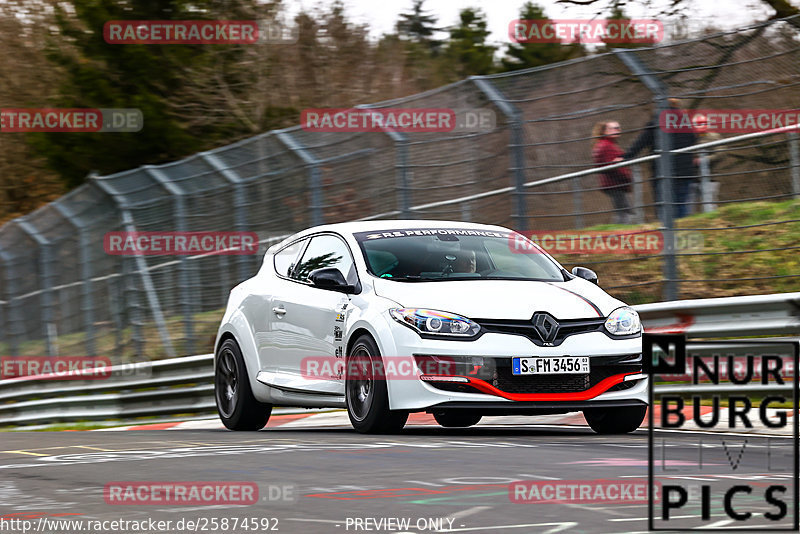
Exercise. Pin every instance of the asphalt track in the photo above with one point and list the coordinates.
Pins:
(325, 479)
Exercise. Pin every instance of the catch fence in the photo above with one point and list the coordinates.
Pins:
(61, 293)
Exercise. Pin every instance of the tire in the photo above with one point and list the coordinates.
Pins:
(454, 419)
(366, 395)
(237, 407)
(615, 420)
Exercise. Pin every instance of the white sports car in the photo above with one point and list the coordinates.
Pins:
(457, 319)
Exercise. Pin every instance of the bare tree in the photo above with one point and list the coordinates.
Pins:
(27, 79)
(780, 8)
(330, 61)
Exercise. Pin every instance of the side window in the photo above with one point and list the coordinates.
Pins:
(325, 251)
(286, 259)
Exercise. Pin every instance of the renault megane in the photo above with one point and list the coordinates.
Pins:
(461, 320)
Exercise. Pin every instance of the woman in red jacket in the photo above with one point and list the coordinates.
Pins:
(615, 183)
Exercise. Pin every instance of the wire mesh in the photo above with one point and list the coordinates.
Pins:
(62, 292)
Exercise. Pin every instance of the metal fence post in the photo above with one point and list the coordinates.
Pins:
(794, 158)
(402, 169)
(577, 202)
(638, 195)
(466, 212)
(85, 260)
(4, 326)
(239, 199)
(402, 173)
(47, 285)
(141, 265)
(664, 171)
(11, 306)
(115, 303)
(516, 145)
(314, 176)
(149, 289)
(665, 174)
(130, 301)
(187, 290)
(706, 193)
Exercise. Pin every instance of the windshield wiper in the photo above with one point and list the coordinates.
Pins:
(418, 278)
(409, 278)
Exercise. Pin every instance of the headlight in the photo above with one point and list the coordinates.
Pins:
(434, 322)
(623, 321)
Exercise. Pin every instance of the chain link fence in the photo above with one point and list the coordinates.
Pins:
(61, 293)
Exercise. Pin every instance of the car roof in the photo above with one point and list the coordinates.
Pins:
(349, 228)
(395, 224)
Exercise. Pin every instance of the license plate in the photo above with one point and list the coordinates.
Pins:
(561, 365)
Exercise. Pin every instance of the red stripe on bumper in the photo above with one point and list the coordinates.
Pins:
(598, 389)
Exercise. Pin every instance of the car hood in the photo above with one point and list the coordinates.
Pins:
(502, 299)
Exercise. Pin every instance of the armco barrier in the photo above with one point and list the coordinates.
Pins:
(165, 387)
(758, 315)
(181, 386)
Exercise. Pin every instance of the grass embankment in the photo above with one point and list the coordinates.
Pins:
(739, 241)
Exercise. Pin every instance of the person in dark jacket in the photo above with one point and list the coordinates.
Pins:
(616, 183)
(684, 165)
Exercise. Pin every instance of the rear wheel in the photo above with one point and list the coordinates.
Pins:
(454, 419)
(615, 420)
(237, 407)
(366, 394)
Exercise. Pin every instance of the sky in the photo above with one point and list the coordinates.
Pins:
(381, 15)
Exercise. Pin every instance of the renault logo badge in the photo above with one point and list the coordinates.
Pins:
(546, 325)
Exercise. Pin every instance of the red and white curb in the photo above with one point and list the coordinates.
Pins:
(339, 418)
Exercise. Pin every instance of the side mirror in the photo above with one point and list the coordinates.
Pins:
(330, 278)
(586, 274)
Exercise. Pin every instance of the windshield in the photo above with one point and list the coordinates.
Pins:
(429, 254)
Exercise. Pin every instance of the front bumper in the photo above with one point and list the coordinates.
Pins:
(605, 383)
(532, 408)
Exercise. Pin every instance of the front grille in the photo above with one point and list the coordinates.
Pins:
(567, 327)
(601, 367)
(539, 383)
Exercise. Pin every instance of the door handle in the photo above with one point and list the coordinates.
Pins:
(280, 311)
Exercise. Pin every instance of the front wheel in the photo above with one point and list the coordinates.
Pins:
(366, 394)
(453, 419)
(237, 407)
(615, 420)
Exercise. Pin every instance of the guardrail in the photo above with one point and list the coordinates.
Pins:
(184, 386)
(165, 387)
(757, 315)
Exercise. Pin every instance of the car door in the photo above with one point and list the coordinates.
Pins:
(310, 321)
(273, 279)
